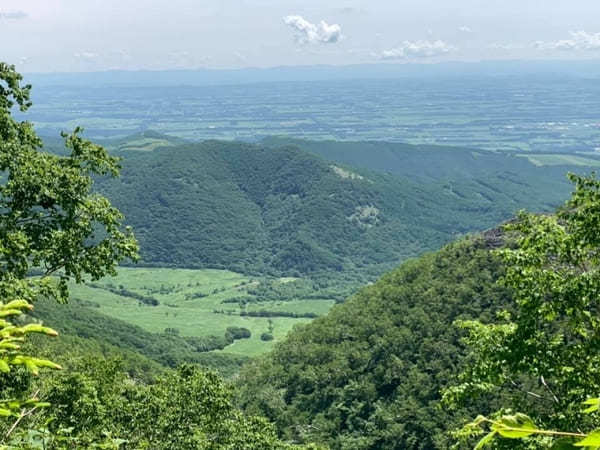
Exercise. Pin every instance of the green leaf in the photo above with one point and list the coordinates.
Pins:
(37, 328)
(591, 440)
(594, 405)
(10, 312)
(18, 304)
(485, 440)
(514, 426)
(4, 367)
(31, 367)
(42, 404)
(46, 363)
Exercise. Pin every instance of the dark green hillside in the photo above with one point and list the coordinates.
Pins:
(253, 208)
(432, 162)
(499, 181)
(186, 209)
(256, 208)
(369, 374)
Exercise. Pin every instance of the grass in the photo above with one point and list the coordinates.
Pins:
(188, 300)
(559, 160)
(145, 144)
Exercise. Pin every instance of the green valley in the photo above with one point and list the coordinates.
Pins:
(265, 237)
(198, 303)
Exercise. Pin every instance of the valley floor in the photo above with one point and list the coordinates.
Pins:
(198, 303)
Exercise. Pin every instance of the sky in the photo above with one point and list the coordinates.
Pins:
(93, 35)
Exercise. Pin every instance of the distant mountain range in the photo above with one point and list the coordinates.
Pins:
(212, 77)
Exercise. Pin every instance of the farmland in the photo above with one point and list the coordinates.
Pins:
(517, 113)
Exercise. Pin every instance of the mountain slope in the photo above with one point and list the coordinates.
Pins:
(500, 178)
(257, 208)
(368, 375)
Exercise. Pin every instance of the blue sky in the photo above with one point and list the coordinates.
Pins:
(89, 35)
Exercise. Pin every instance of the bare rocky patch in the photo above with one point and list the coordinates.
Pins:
(365, 216)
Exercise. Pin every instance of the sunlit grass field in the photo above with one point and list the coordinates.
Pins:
(188, 301)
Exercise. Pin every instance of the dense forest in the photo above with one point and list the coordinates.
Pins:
(279, 209)
(370, 373)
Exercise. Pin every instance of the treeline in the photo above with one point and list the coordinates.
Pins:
(265, 313)
(97, 403)
(209, 343)
(123, 292)
(320, 286)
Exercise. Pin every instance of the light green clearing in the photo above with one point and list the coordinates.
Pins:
(560, 160)
(145, 144)
(195, 316)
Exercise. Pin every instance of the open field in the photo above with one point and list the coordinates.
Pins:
(195, 303)
(561, 160)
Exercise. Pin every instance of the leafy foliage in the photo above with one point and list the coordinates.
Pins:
(49, 220)
(369, 374)
(96, 401)
(543, 358)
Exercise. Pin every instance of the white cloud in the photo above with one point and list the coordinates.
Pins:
(86, 56)
(580, 41)
(13, 15)
(240, 57)
(418, 49)
(506, 46)
(307, 32)
(465, 29)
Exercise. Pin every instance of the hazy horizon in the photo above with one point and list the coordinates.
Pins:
(71, 36)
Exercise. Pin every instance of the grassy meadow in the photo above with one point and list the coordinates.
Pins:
(196, 303)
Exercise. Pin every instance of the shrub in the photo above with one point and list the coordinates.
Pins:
(266, 337)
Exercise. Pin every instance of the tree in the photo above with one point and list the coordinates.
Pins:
(543, 356)
(53, 228)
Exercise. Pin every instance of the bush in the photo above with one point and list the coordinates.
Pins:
(238, 332)
(266, 337)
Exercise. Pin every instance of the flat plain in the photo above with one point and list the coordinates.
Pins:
(543, 113)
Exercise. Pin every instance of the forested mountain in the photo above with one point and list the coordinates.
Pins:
(279, 209)
(427, 163)
(369, 374)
